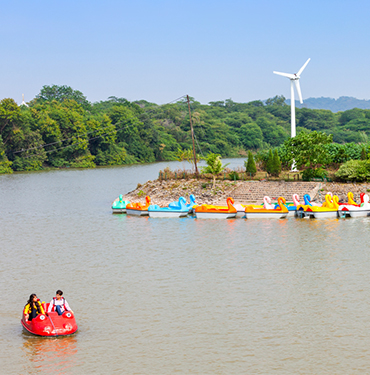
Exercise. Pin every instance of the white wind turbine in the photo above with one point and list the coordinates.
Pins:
(23, 102)
(294, 80)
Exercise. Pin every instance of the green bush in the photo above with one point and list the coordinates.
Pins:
(114, 155)
(275, 165)
(270, 163)
(86, 161)
(309, 174)
(340, 153)
(363, 153)
(5, 166)
(250, 165)
(234, 175)
(354, 170)
(27, 164)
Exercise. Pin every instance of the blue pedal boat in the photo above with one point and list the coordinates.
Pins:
(190, 206)
(119, 205)
(180, 210)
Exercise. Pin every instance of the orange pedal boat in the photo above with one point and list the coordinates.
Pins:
(139, 209)
(207, 211)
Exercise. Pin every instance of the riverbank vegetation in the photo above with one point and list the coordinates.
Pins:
(60, 128)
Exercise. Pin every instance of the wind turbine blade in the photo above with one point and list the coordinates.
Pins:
(298, 87)
(301, 70)
(290, 76)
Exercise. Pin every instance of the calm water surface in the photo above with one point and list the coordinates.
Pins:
(167, 296)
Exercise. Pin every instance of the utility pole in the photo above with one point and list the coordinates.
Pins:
(192, 136)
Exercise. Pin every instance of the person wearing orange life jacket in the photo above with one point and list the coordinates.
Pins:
(33, 308)
(59, 304)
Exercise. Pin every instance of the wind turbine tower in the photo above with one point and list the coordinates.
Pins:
(23, 102)
(294, 81)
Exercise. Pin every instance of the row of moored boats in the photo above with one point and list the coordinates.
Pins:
(306, 209)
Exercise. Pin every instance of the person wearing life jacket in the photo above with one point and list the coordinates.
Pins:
(33, 308)
(59, 304)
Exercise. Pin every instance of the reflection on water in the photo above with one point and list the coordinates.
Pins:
(46, 355)
(180, 296)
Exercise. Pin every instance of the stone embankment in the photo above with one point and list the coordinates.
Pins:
(164, 192)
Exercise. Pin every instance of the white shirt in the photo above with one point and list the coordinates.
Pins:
(59, 302)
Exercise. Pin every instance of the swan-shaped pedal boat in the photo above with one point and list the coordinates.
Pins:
(291, 206)
(190, 206)
(328, 209)
(180, 210)
(265, 212)
(351, 200)
(240, 208)
(359, 210)
(207, 211)
(51, 324)
(302, 209)
(119, 205)
(138, 209)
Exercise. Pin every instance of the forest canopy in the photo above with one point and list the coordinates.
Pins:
(61, 128)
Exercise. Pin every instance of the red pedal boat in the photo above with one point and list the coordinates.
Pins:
(51, 324)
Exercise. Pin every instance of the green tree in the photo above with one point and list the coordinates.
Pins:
(278, 100)
(214, 166)
(250, 165)
(23, 143)
(276, 164)
(10, 114)
(273, 134)
(251, 136)
(309, 152)
(5, 164)
(61, 93)
(63, 128)
(269, 162)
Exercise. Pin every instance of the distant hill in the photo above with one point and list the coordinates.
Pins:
(335, 105)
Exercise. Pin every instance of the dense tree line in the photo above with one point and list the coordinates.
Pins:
(61, 128)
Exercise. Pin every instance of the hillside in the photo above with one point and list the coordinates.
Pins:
(344, 103)
(60, 128)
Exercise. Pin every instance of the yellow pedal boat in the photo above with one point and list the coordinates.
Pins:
(207, 211)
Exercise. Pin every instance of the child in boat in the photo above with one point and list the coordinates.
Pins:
(33, 308)
(59, 304)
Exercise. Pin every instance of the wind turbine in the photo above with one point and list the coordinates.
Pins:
(23, 102)
(294, 80)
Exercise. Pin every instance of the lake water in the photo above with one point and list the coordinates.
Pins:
(185, 296)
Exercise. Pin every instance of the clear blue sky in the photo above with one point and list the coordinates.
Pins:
(160, 50)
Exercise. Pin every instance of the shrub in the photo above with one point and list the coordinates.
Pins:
(250, 165)
(354, 170)
(308, 174)
(5, 167)
(270, 161)
(27, 164)
(363, 153)
(234, 175)
(275, 165)
(86, 161)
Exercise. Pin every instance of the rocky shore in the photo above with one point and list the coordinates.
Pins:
(163, 192)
